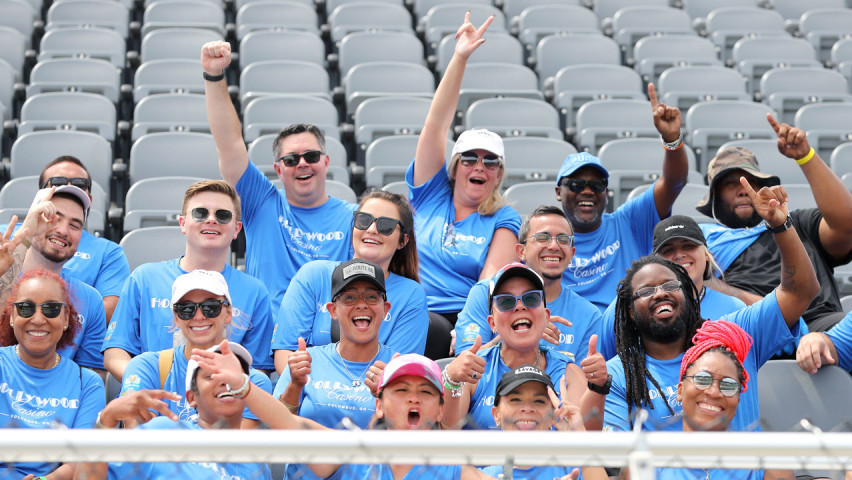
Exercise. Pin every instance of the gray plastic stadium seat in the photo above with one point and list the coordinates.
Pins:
(167, 76)
(7, 90)
(711, 124)
(368, 16)
(19, 193)
(383, 116)
(260, 153)
(388, 158)
(19, 15)
(630, 24)
(514, 8)
(382, 79)
(241, 3)
(699, 9)
(556, 51)
(823, 27)
(755, 56)
(91, 13)
(99, 43)
(287, 45)
(361, 47)
(333, 188)
(153, 244)
(771, 160)
(841, 159)
(606, 9)
(513, 117)
(539, 21)
(683, 87)
(575, 85)
(276, 15)
(13, 48)
(155, 202)
(422, 7)
(443, 20)
(490, 80)
(788, 89)
(400, 188)
(841, 58)
(166, 154)
(176, 43)
(330, 5)
(725, 26)
(846, 303)
(526, 197)
(271, 114)
(69, 111)
(76, 75)
(283, 78)
(686, 201)
(600, 121)
(170, 113)
(499, 48)
(533, 159)
(31, 152)
(793, 10)
(654, 55)
(183, 14)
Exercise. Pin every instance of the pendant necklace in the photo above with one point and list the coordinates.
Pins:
(356, 382)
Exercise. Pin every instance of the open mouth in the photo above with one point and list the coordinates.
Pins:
(710, 408)
(37, 333)
(370, 241)
(477, 180)
(526, 425)
(306, 176)
(58, 242)
(522, 325)
(362, 322)
(551, 259)
(209, 232)
(413, 418)
(200, 328)
(664, 310)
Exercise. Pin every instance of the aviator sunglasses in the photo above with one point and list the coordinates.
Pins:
(48, 309)
(292, 159)
(384, 225)
(703, 380)
(506, 302)
(490, 161)
(201, 214)
(209, 308)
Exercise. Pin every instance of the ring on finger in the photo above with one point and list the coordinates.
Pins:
(371, 375)
(474, 375)
(592, 374)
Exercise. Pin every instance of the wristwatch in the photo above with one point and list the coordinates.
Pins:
(787, 225)
(602, 389)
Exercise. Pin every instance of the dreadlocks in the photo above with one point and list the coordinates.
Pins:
(628, 341)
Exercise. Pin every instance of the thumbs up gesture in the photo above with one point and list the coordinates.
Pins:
(468, 367)
(300, 364)
(594, 365)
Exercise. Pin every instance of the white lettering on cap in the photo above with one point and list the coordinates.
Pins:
(358, 269)
(674, 226)
(527, 370)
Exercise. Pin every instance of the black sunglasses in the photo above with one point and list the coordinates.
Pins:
(490, 161)
(48, 309)
(79, 182)
(292, 159)
(577, 186)
(209, 308)
(201, 214)
(384, 225)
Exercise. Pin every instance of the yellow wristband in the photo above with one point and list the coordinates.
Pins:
(807, 158)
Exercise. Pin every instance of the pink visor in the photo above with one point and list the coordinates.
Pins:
(412, 364)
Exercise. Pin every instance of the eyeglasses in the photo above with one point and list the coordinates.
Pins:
(384, 225)
(545, 238)
(577, 186)
(703, 380)
(209, 308)
(79, 182)
(506, 302)
(292, 159)
(371, 297)
(646, 292)
(490, 161)
(201, 214)
(48, 309)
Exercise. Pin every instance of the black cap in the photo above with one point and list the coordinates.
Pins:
(355, 270)
(519, 376)
(677, 226)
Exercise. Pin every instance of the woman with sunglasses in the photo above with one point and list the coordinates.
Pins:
(43, 388)
(201, 305)
(466, 233)
(519, 316)
(382, 233)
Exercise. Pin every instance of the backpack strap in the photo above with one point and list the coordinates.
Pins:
(165, 365)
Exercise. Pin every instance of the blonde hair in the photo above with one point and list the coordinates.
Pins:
(712, 268)
(215, 186)
(494, 202)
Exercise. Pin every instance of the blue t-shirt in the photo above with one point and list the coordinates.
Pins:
(280, 237)
(701, 474)
(101, 263)
(143, 320)
(403, 330)
(531, 473)
(482, 399)
(451, 253)
(762, 320)
(713, 306)
(573, 340)
(728, 243)
(89, 304)
(383, 472)
(602, 256)
(194, 470)
(143, 373)
(35, 398)
(841, 336)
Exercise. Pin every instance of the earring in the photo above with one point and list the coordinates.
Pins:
(65, 327)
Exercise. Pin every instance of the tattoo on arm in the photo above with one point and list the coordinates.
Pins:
(788, 277)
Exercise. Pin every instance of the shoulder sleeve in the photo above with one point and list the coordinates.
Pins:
(123, 331)
(507, 217)
(438, 185)
(473, 319)
(807, 224)
(765, 323)
(841, 336)
(114, 271)
(411, 325)
(142, 373)
(94, 329)
(615, 411)
(641, 213)
(92, 399)
(606, 334)
(297, 311)
(254, 189)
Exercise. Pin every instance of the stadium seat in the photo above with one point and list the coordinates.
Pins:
(827, 125)
(841, 159)
(20, 15)
(177, 75)
(600, 121)
(69, 111)
(846, 303)
(556, 51)
(771, 160)
(241, 3)
(575, 85)
(513, 8)
(360, 47)
(400, 188)
(330, 5)
(387, 158)
(683, 87)
(170, 113)
(7, 90)
(489, 80)
(88, 13)
(276, 15)
(155, 202)
(792, 10)
(526, 197)
(711, 124)
(176, 43)
(823, 27)
(514, 117)
(260, 153)
(384, 116)
(183, 14)
(499, 47)
(19, 192)
(76, 75)
(283, 78)
(533, 159)
(287, 45)
(383, 79)
(422, 7)
(153, 244)
(654, 55)
(841, 58)
(172, 154)
(755, 56)
(13, 49)
(368, 16)
(271, 114)
(443, 20)
(786, 90)
(98, 43)
(699, 9)
(630, 24)
(725, 26)
(686, 200)
(606, 9)
(539, 21)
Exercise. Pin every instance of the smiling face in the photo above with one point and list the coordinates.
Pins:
(584, 209)
(522, 327)
(474, 184)
(200, 331)
(212, 402)
(59, 243)
(733, 206)
(527, 407)
(304, 184)
(371, 245)
(552, 258)
(659, 317)
(689, 255)
(708, 410)
(359, 323)
(410, 403)
(209, 234)
(38, 335)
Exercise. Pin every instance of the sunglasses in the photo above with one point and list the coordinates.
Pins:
(79, 182)
(370, 298)
(490, 161)
(201, 214)
(48, 309)
(577, 186)
(384, 225)
(646, 292)
(209, 308)
(292, 159)
(703, 380)
(506, 302)
(545, 238)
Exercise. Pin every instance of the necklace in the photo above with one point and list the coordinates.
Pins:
(55, 362)
(356, 382)
(537, 357)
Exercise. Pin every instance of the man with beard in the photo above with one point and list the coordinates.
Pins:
(743, 246)
(657, 313)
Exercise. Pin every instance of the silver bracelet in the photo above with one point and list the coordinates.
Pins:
(673, 145)
(455, 388)
(242, 391)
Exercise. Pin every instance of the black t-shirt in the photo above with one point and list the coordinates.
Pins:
(758, 268)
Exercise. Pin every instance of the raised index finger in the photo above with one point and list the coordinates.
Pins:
(10, 228)
(652, 95)
(482, 28)
(750, 191)
(553, 398)
(774, 123)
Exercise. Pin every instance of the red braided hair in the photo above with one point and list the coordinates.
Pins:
(719, 333)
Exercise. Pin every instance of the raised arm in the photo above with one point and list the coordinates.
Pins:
(224, 122)
(833, 199)
(675, 164)
(432, 145)
(799, 284)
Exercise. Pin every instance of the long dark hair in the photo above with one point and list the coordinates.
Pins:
(404, 262)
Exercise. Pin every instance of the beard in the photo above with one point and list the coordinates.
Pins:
(726, 216)
(41, 245)
(650, 329)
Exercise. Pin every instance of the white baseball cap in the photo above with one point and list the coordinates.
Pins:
(479, 138)
(206, 280)
(69, 190)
